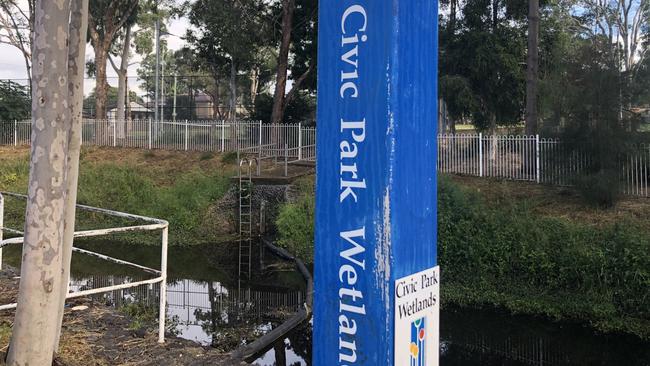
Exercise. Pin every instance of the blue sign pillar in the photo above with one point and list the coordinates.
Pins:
(376, 280)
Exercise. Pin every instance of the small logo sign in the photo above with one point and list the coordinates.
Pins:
(418, 342)
(417, 319)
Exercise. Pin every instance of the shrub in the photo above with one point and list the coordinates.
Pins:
(510, 256)
(295, 225)
(229, 158)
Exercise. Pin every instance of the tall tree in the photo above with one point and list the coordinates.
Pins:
(57, 40)
(227, 38)
(14, 101)
(298, 35)
(76, 67)
(121, 70)
(17, 29)
(107, 18)
(481, 73)
(532, 74)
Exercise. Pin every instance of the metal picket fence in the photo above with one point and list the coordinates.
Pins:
(525, 158)
(213, 135)
(534, 159)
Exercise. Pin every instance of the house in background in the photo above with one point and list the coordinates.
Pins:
(137, 112)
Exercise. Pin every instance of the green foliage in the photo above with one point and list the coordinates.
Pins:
(129, 189)
(125, 188)
(141, 315)
(5, 333)
(15, 102)
(206, 156)
(295, 222)
(229, 158)
(590, 120)
(511, 257)
(302, 108)
(480, 63)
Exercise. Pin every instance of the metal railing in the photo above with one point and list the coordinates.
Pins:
(534, 159)
(151, 224)
(525, 158)
(209, 135)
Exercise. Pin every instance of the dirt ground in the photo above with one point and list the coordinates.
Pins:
(101, 336)
(562, 202)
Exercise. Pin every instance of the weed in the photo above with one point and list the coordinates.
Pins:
(229, 157)
(208, 155)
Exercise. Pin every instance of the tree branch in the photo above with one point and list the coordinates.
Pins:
(296, 86)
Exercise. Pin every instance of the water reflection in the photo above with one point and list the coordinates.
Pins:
(210, 308)
(207, 312)
(493, 338)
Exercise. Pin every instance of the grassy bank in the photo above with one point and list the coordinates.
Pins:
(530, 249)
(177, 187)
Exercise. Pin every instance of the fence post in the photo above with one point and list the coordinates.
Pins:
(537, 170)
(186, 135)
(15, 135)
(299, 140)
(223, 136)
(114, 133)
(163, 287)
(149, 133)
(260, 136)
(480, 154)
(286, 159)
(2, 207)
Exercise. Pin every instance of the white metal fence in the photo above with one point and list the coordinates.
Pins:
(527, 158)
(212, 135)
(142, 224)
(535, 159)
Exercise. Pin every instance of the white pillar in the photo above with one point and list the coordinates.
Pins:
(537, 170)
(2, 215)
(480, 154)
(299, 141)
(163, 287)
(186, 135)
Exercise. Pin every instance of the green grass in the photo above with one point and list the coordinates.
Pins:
(508, 256)
(5, 334)
(295, 222)
(180, 197)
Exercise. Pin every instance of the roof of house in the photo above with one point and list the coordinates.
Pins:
(135, 107)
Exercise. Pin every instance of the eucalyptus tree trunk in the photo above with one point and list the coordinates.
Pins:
(121, 84)
(532, 73)
(288, 7)
(235, 127)
(76, 66)
(233, 90)
(35, 324)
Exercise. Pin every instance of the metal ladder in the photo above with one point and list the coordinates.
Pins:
(245, 216)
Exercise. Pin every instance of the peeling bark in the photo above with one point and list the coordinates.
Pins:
(35, 325)
(532, 73)
(76, 66)
(288, 7)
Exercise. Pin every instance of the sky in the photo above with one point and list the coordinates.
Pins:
(12, 63)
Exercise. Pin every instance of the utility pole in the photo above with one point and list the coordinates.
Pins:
(157, 74)
(174, 108)
(162, 93)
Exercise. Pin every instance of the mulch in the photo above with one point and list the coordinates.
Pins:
(98, 335)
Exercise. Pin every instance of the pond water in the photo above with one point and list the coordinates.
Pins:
(209, 305)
